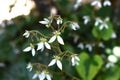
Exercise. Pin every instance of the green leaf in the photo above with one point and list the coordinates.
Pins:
(112, 73)
(89, 66)
(104, 34)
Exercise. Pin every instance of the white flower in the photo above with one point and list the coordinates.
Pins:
(36, 75)
(74, 26)
(108, 65)
(75, 59)
(29, 67)
(96, 3)
(30, 48)
(80, 45)
(113, 36)
(107, 3)
(56, 35)
(45, 74)
(101, 45)
(104, 24)
(116, 51)
(42, 43)
(77, 4)
(89, 46)
(98, 21)
(26, 34)
(112, 58)
(57, 61)
(86, 19)
(46, 21)
(59, 20)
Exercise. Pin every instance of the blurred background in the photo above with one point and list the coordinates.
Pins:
(99, 53)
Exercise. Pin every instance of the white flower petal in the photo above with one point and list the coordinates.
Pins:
(76, 63)
(99, 4)
(42, 49)
(86, 21)
(43, 22)
(101, 26)
(52, 39)
(52, 62)
(27, 49)
(116, 51)
(47, 45)
(42, 76)
(26, 34)
(40, 45)
(34, 76)
(60, 40)
(112, 58)
(47, 20)
(48, 77)
(107, 3)
(29, 67)
(106, 26)
(33, 52)
(77, 58)
(73, 60)
(59, 64)
(73, 64)
(94, 3)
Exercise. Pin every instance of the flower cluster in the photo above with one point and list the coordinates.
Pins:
(96, 3)
(47, 42)
(98, 22)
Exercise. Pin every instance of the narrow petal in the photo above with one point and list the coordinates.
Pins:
(52, 39)
(94, 3)
(47, 20)
(60, 40)
(27, 49)
(52, 62)
(77, 63)
(101, 26)
(42, 76)
(47, 45)
(34, 76)
(43, 22)
(96, 23)
(48, 77)
(73, 60)
(25, 33)
(77, 58)
(33, 52)
(107, 3)
(58, 21)
(73, 64)
(99, 4)
(40, 46)
(59, 64)
(106, 26)
(86, 21)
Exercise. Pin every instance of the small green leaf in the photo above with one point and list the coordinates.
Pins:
(89, 66)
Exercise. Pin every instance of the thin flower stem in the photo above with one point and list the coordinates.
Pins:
(72, 77)
(40, 66)
(64, 26)
(57, 49)
(39, 33)
(52, 28)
